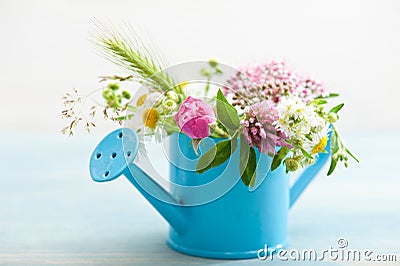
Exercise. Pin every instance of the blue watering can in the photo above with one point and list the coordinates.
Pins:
(212, 215)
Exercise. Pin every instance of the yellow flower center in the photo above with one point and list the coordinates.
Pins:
(320, 146)
(141, 100)
(150, 118)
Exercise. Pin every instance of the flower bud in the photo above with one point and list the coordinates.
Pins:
(310, 161)
(193, 118)
(113, 103)
(169, 105)
(213, 126)
(298, 142)
(108, 94)
(126, 95)
(204, 72)
(113, 86)
(291, 164)
(213, 63)
(173, 96)
(332, 117)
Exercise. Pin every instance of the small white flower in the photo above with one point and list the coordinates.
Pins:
(302, 122)
(149, 99)
(294, 115)
(146, 115)
(318, 141)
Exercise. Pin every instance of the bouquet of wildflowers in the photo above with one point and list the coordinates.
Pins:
(268, 108)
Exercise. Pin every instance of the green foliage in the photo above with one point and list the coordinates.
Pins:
(248, 163)
(306, 154)
(334, 149)
(227, 114)
(318, 102)
(210, 72)
(114, 98)
(279, 156)
(129, 52)
(330, 95)
(291, 164)
(338, 151)
(213, 63)
(145, 66)
(337, 108)
(169, 125)
(126, 95)
(113, 86)
(216, 155)
(352, 156)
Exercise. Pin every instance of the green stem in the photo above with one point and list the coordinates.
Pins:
(207, 86)
(219, 133)
(342, 147)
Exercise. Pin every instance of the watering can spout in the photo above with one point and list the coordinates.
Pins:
(114, 156)
(307, 176)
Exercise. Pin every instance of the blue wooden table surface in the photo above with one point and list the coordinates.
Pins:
(52, 213)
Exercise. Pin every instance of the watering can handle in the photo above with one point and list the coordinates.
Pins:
(307, 176)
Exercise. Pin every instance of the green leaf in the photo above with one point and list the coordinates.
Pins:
(216, 155)
(331, 95)
(334, 142)
(278, 158)
(337, 108)
(318, 101)
(244, 153)
(334, 149)
(226, 113)
(332, 166)
(121, 118)
(354, 157)
(248, 163)
(306, 154)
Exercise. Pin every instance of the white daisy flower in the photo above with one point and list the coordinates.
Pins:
(147, 113)
(318, 142)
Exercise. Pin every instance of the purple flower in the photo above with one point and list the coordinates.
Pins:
(194, 117)
(270, 81)
(259, 130)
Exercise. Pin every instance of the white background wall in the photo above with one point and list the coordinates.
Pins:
(352, 45)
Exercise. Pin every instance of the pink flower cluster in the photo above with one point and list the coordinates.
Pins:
(194, 117)
(258, 128)
(270, 81)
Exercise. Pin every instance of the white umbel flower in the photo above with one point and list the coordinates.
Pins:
(296, 117)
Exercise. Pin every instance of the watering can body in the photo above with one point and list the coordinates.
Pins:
(226, 219)
(212, 214)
